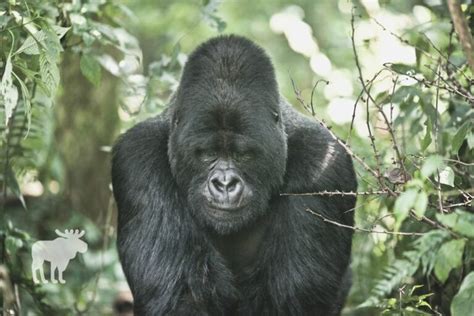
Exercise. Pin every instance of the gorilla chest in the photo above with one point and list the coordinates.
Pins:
(240, 250)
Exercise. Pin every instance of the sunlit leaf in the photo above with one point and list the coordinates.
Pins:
(8, 90)
(431, 165)
(420, 204)
(460, 135)
(49, 73)
(446, 176)
(30, 45)
(404, 203)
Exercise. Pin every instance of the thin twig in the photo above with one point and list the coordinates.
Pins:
(440, 199)
(341, 193)
(359, 229)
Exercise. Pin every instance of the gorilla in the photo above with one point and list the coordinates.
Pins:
(203, 226)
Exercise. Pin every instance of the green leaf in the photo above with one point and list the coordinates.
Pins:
(421, 203)
(12, 245)
(446, 176)
(404, 203)
(49, 72)
(8, 90)
(431, 165)
(12, 184)
(449, 257)
(25, 94)
(427, 139)
(470, 140)
(461, 222)
(463, 301)
(90, 68)
(30, 45)
(403, 69)
(458, 139)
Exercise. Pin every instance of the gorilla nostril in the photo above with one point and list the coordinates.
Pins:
(225, 185)
(217, 184)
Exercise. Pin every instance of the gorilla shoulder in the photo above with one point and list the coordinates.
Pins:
(316, 161)
(139, 157)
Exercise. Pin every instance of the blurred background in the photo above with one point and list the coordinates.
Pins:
(390, 78)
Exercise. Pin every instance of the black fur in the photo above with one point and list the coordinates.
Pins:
(268, 257)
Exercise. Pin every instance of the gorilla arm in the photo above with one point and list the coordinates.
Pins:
(165, 259)
(317, 253)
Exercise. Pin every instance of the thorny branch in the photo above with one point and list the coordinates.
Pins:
(439, 83)
(359, 229)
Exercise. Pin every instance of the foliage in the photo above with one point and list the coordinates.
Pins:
(430, 199)
(411, 133)
(34, 37)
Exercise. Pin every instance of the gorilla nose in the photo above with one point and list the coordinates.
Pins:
(226, 186)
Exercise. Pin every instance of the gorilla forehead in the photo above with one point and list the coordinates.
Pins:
(228, 126)
(225, 70)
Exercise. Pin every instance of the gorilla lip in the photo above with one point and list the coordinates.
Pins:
(219, 209)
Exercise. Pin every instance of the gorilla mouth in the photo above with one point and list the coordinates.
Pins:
(225, 209)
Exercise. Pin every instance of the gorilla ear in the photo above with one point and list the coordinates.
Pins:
(174, 119)
(276, 116)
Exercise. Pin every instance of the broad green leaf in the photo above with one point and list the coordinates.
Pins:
(427, 139)
(404, 203)
(30, 45)
(461, 222)
(421, 203)
(8, 90)
(431, 165)
(446, 176)
(458, 139)
(463, 302)
(449, 257)
(49, 72)
(447, 219)
(91, 69)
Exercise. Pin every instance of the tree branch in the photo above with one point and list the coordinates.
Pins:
(462, 29)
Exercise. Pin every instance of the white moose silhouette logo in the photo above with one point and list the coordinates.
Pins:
(58, 252)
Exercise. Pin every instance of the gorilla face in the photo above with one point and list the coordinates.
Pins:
(227, 147)
(228, 159)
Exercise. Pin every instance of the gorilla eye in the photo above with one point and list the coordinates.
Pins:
(243, 156)
(206, 155)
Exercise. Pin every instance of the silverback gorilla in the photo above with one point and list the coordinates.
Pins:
(203, 228)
